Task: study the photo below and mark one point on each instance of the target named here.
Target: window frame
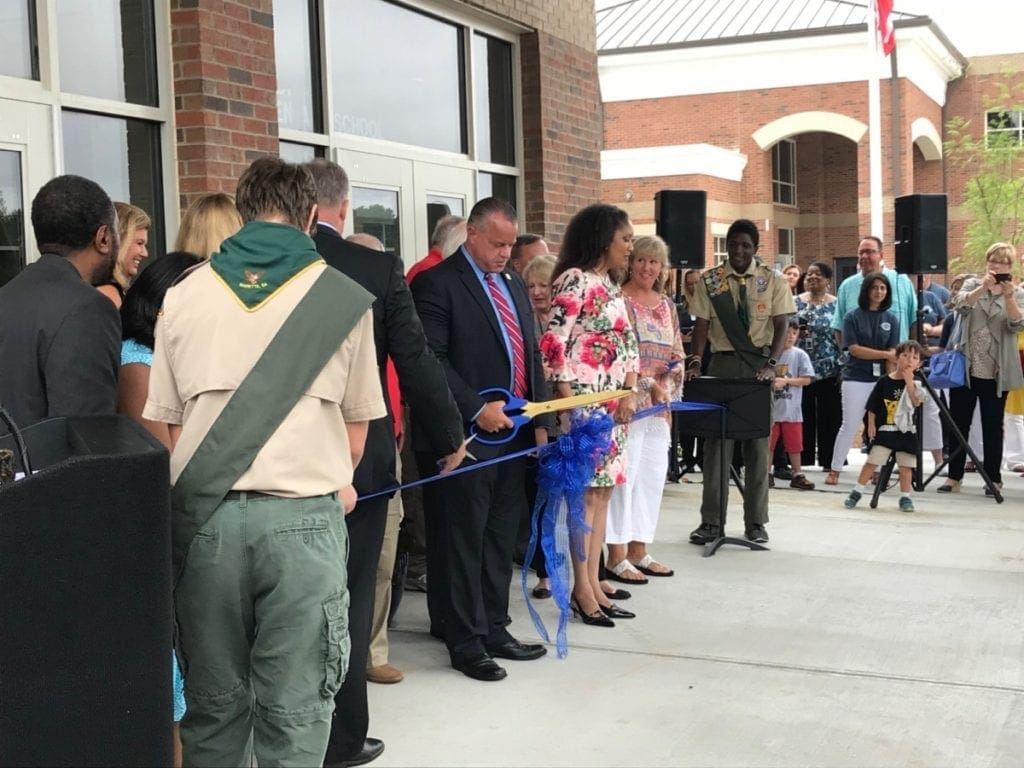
(1016, 133)
(469, 21)
(779, 183)
(46, 91)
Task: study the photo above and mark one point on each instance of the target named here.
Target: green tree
(993, 163)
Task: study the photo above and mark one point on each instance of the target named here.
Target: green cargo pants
(262, 615)
(755, 459)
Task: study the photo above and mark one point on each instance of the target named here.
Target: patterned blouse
(590, 344)
(657, 330)
(819, 340)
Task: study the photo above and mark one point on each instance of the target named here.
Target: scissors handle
(512, 405)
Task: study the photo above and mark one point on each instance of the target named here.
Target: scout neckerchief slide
(522, 412)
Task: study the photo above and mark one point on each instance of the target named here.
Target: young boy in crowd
(890, 410)
(792, 373)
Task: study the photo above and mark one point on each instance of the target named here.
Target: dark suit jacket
(60, 345)
(398, 334)
(462, 329)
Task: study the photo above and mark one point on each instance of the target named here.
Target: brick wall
(225, 90)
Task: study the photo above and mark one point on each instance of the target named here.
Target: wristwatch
(772, 362)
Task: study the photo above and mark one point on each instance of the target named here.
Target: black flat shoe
(481, 667)
(541, 593)
(614, 612)
(595, 619)
(372, 749)
(516, 651)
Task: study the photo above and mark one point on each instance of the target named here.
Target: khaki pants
(262, 614)
(378, 655)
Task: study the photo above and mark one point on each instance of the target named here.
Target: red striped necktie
(515, 336)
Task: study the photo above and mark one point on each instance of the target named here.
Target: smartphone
(1003, 277)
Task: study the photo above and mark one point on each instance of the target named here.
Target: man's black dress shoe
(516, 651)
(481, 667)
(372, 749)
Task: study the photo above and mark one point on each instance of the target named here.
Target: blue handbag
(948, 369)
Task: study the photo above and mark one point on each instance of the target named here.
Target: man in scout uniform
(264, 368)
(743, 309)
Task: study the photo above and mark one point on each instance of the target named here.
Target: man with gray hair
(399, 335)
(527, 248)
(449, 233)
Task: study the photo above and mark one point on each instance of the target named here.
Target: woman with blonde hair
(990, 312)
(133, 225)
(634, 507)
(209, 221)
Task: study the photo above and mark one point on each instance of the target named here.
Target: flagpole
(874, 124)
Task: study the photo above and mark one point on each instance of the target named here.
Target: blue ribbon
(565, 468)
(563, 475)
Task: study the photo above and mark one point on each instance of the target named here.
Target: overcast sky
(975, 27)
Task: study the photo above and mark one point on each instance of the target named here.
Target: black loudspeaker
(748, 405)
(921, 234)
(680, 215)
(85, 598)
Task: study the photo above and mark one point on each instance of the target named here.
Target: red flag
(883, 14)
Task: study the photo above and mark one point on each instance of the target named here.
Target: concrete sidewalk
(863, 638)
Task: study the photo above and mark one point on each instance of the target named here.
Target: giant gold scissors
(522, 412)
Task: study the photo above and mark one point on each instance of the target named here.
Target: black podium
(746, 414)
(85, 598)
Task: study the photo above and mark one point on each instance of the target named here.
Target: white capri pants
(855, 396)
(634, 507)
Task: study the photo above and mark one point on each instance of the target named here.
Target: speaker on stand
(680, 216)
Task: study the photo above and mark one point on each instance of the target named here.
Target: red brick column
(225, 90)
(562, 133)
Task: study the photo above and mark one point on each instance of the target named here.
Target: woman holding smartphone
(990, 309)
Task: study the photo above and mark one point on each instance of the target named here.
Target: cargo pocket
(337, 644)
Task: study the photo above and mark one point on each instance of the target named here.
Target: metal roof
(630, 24)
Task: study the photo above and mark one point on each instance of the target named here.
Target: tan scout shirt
(768, 295)
(206, 344)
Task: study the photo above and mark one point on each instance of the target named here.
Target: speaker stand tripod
(962, 442)
(727, 470)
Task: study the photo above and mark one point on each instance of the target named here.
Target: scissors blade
(576, 401)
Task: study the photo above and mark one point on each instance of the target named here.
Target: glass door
(26, 163)
(399, 200)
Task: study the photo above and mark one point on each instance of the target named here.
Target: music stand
(745, 415)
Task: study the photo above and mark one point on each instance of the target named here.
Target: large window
(123, 157)
(495, 124)
(18, 39)
(416, 97)
(410, 90)
(107, 49)
(296, 40)
(1005, 128)
(784, 172)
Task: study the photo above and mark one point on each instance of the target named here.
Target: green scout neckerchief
(288, 366)
(716, 281)
(261, 259)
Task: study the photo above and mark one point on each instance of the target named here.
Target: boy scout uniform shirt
(768, 294)
(206, 344)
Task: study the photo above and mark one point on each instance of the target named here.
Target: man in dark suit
(398, 334)
(478, 321)
(60, 338)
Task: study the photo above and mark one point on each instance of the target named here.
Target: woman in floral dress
(590, 347)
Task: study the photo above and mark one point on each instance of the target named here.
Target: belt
(257, 496)
(249, 495)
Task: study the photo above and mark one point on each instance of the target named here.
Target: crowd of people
(284, 367)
